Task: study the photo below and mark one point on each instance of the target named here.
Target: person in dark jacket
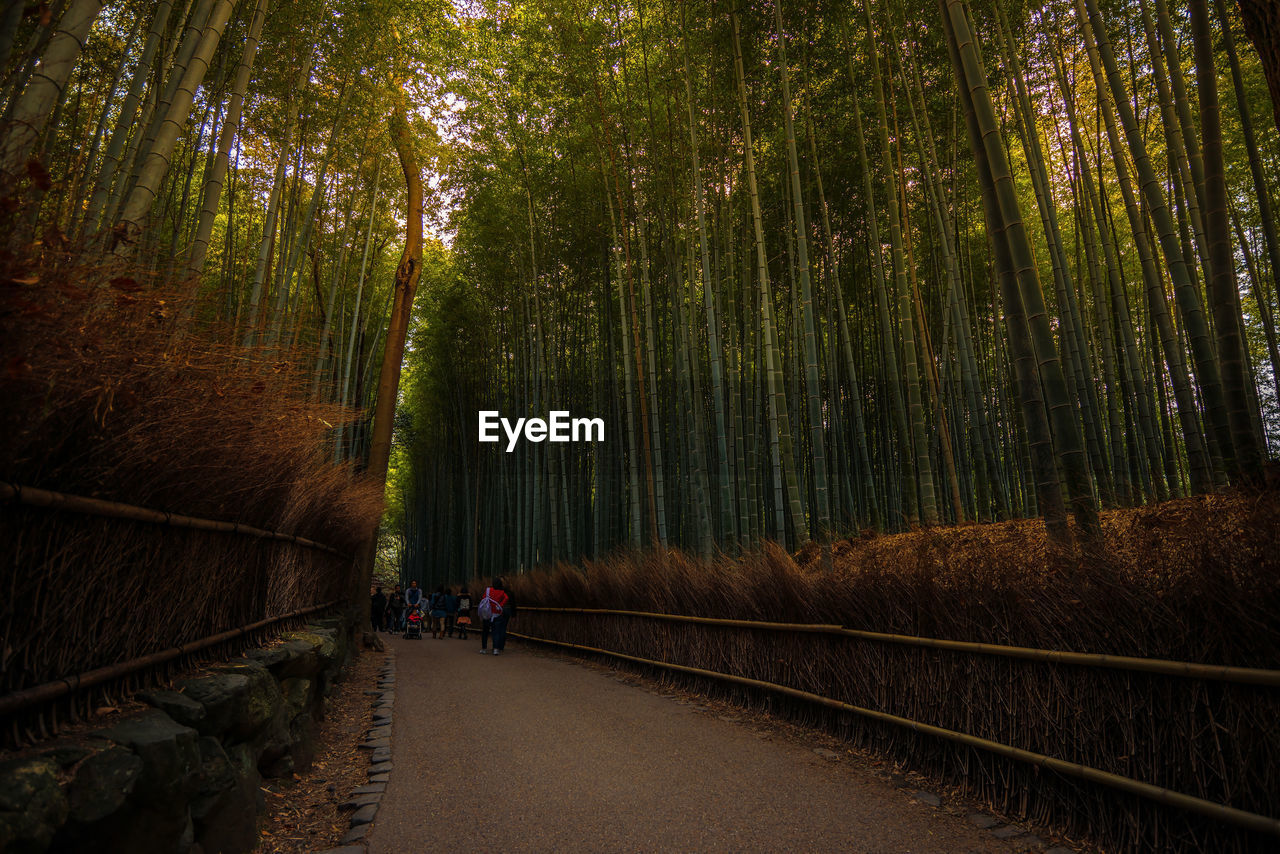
(395, 610)
(450, 610)
(377, 608)
(437, 613)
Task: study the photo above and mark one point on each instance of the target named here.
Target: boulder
(294, 657)
(273, 742)
(244, 760)
(297, 695)
(343, 635)
(319, 647)
(336, 623)
(240, 699)
(180, 707)
(32, 804)
(185, 776)
(102, 809)
(169, 753)
(302, 746)
(280, 768)
(222, 696)
(223, 812)
(67, 755)
(102, 784)
(328, 650)
(260, 703)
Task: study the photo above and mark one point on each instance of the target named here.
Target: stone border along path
(365, 799)
(752, 789)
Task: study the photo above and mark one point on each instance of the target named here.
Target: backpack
(489, 608)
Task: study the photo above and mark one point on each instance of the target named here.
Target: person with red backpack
(493, 611)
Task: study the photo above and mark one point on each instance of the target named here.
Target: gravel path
(527, 752)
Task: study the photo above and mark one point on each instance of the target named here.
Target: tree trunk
(408, 272)
(1262, 23)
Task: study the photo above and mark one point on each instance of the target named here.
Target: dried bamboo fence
(1001, 720)
(172, 590)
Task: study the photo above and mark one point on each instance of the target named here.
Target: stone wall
(184, 776)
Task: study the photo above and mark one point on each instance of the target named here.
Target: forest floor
(533, 751)
(303, 814)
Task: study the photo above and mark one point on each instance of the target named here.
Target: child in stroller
(413, 625)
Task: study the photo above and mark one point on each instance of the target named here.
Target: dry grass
(1197, 580)
(101, 398)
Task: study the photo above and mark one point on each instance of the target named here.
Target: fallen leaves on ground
(302, 815)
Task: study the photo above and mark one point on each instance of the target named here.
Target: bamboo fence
(109, 640)
(778, 643)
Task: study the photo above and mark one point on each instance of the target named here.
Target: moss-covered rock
(284, 660)
(221, 695)
(309, 649)
(67, 755)
(32, 804)
(272, 744)
(102, 784)
(297, 695)
(186, 775)
(239, 699)
(104, 807)
(260, 702)
(324, 643)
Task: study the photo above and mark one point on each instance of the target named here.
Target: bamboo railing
(1186, 669)
(49, 691)
(115, 510)
(1240, 818)
(45, 693)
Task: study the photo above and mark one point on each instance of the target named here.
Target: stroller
(413, 625)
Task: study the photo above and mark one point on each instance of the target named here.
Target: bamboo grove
(232, 155)
(859, 265)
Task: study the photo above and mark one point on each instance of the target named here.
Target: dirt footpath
(527, 752)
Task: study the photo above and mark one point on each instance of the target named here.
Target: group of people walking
(390, 613)
(448, 614)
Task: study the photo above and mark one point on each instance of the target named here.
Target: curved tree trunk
(408, 272)
(1262, 23)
